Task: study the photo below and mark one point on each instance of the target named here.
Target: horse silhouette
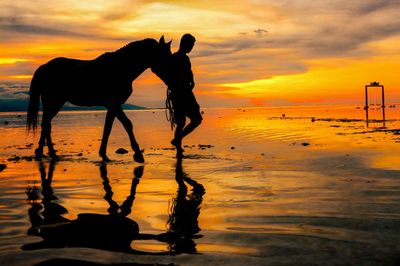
(105, 81)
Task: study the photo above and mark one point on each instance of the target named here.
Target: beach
(256, 186)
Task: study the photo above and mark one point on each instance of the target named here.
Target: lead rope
(169, 110)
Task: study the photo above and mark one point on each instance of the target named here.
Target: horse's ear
(169, 43)
(162, 40)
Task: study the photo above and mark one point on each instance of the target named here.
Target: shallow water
(314, 186)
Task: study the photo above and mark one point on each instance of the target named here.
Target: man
(181, 95)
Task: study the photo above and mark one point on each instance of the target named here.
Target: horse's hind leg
(52, 151)
(138, 156)
(42, 142)
(106, 133)
(45, 135)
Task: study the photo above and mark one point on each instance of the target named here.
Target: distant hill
(14, 105)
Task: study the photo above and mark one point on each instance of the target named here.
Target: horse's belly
(94, 96)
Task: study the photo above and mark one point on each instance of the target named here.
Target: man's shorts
(186, 106)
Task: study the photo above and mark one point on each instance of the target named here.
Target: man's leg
(180, 121)
(190, 127)
(195, 120)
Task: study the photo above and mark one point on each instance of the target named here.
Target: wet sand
(314, 186)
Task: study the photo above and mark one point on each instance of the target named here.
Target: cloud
(260, 32)
(338, 27)
(18, 68)
(14, 25)
(14, 91)
(19, 30)
(317, 29)
(333, 32)
(347, 37)
(242, 59)
(367, 6)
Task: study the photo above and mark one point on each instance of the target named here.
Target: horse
(104, 81)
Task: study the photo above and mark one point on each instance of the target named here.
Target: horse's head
(161, 62)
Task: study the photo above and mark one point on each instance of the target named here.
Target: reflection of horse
(49, 211)
(110, 232)
(105, 81)
(114, 231)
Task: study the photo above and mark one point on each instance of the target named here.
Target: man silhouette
(181, 95)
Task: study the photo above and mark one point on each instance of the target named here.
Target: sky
(247, 53)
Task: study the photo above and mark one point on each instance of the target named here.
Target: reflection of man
(181, 92)
(185, 211)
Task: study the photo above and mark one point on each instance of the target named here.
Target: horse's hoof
(105, 158)
(54, 156)
(138, 157)
(138, 171)
(38, 154)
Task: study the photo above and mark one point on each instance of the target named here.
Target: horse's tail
(34, 101)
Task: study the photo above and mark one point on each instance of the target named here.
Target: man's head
(187, 43)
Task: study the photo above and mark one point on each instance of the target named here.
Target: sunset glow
(248, 53)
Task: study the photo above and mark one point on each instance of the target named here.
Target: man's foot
(174, 142)
(179, 153)
(105, 158)
(138, 157)
(54, 156)
(178, 145)
(38, 154)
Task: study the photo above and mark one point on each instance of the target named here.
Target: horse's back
(81, 82)
(57, 68)
(54, 77)
(66, 61)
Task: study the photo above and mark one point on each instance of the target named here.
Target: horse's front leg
(138, 156)
(106, 134)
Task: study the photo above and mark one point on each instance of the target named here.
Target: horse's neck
(137, 71)
(125, 66)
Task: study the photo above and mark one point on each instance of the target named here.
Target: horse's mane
(137, 46)
(146, 43)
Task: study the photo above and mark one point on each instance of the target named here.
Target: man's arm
(190, 74)
(191, 83)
